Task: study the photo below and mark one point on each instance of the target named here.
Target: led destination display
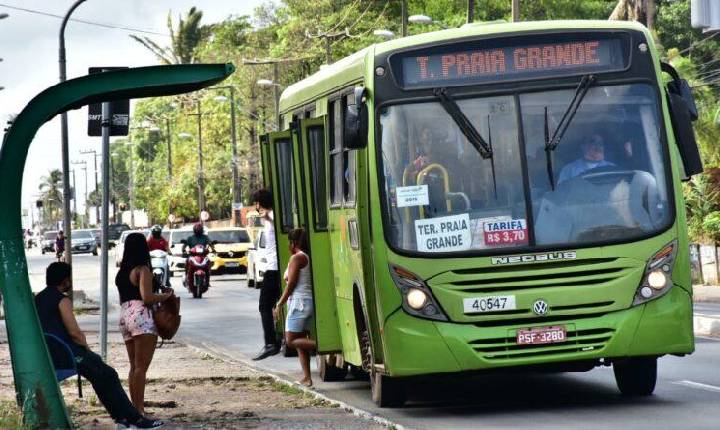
(461, 65)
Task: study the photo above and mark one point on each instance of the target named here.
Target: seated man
(593, 157)
(57, 318)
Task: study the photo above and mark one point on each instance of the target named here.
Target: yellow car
(231, 245)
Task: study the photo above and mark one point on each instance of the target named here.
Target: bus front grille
(578, 341)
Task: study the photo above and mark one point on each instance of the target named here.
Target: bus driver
(593, 157)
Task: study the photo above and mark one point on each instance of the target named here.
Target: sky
(29, 52)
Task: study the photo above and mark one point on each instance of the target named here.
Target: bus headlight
(417, 300)
(657, 279)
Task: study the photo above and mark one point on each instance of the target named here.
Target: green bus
(489, 197)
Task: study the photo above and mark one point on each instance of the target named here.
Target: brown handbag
(167, 317)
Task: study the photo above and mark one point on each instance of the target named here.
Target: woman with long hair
(299, 297)
(134, 282)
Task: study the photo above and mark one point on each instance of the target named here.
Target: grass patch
(10, 416)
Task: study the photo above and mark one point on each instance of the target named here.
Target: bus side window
(286, 184)
(348, 164)
(316, 142)
(336, 152)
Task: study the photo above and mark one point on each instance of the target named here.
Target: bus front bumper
(415, 347)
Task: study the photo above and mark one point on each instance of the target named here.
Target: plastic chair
(63, 374)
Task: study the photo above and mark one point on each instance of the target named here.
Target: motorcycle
(197, 271)
(159, 264)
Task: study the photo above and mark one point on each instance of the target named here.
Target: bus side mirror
(355, 127)
(681, 117)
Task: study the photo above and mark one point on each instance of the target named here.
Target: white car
(120, 247)
(175, 259)
(257, 262)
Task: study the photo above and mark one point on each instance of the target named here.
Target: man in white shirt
(270, 291)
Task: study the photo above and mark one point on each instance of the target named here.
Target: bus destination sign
(468, 66)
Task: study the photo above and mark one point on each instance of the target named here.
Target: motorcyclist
(198, 237)
(156, 241)
(60, 245)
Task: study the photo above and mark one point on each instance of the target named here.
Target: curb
(361, 413)
(706, 325)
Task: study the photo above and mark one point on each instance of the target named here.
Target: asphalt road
(225, 321)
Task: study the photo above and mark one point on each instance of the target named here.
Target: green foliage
(184, 40)
(51, 195)
(304, 35)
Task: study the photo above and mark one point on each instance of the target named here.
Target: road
(226, 322)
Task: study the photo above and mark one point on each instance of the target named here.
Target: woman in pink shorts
(134, 282)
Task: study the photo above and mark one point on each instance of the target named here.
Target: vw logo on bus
(540, 307)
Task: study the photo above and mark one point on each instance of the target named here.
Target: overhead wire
(84, 21)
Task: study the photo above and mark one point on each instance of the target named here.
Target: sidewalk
(190, 389)
(706, 318)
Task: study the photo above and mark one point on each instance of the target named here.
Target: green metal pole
(38, 393)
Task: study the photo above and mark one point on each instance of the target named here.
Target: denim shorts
(300, 313)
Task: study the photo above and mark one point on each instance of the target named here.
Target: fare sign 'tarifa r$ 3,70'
(470, 66)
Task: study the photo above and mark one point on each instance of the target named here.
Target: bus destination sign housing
(507, 59)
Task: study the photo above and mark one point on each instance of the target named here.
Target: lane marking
(698, 385)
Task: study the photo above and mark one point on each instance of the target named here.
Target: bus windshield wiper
(463, 122)
(552, 142)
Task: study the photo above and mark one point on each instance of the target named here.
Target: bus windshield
(605, 181)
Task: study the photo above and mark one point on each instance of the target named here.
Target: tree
(51, 196)
(183, 41)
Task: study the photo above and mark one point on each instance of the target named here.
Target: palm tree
(183, 42)
(51, 195)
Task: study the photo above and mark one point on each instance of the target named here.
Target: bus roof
(352, 68)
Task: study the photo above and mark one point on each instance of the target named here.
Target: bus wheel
(331, 367)
(358, 373)
(636, 376)
(387, 392)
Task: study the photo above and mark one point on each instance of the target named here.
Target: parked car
(231, 245)
(48, 241)
(257, 262)
(114, 232)
(98, 236)
(176, 259)
(83, 242)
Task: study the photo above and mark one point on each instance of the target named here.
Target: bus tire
(387, 392)
(358, 373)
(636, 376)
(331, 367)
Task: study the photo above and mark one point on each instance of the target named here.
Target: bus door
(265, 160)
(280, 177)
(312, 169)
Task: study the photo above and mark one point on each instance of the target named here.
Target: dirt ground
(191, 390)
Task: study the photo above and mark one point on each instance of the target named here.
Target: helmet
(156, 231)
(198, 229)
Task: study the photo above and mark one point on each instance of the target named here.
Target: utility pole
(95, 157)
(650, 14)
(131, 193)
(404, 15)
(64, 141)
(515, 10)
(169, 144)
(84, 168)
(470, 11)
(201, 174)
(74, 193)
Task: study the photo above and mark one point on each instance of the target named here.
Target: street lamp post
(201, 180)
(64, 139)
(84, 169)
(95, 157)
(276, 88)
(233, 134)
(425, 20)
